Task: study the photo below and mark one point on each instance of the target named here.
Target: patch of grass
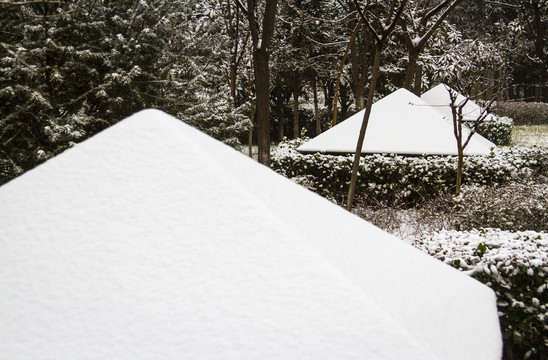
(530, 135)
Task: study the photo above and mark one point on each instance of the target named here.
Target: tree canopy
(70, 68)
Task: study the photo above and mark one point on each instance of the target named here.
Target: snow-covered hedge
(497, 129)
(395, 177)
(515, 266)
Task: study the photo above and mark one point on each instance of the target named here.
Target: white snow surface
(438, 97)
(152, 240)
(400, 123)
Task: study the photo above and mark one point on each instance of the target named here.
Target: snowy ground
(530, 135)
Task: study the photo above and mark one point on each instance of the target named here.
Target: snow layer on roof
(152, 240)
(438, 96)
(400, 123)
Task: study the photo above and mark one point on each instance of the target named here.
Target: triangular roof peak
(438, 96)
(152, 240)
(400, 123)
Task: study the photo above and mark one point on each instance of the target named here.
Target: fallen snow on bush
(514, 265)
(488, 250)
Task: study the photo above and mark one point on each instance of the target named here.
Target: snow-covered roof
(438, 97)
(152, 240)
(400, 123)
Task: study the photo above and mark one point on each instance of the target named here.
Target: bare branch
(367, 23)
(397, 16)
(438, 22)
(239, 4)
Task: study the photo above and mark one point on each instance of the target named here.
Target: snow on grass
(530, 135)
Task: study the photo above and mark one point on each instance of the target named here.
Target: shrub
(497, 129)
(517, 206)
(8, 170)
(524, 113)
(396, 178)
(514, 265)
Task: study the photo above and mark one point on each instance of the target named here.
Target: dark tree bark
(281, 116)
(363, 129)
(418, 81)
(316, 110)
(456, 109)
(359, 52)
(261, 55)
(296, 86)
(345, 102)
(380, 39)
(539, 39)
(341, 68)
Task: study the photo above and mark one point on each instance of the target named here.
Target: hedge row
(395, 177)
(524, 113)
(515, 266)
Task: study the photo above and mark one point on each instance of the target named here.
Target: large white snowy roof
(400, 123)
(152, 240)
(438, 97)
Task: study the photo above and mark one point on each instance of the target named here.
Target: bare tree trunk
(539, 41)
(316, 110)
(456, 110)
(418, 80)
(261, 54)
(490, 84)
(251, 117)
(250, 133)
(355, 67)
(380, 40)
(281, 117)
(344, 102)
(358, 58)
(460, 162)
(410, 72)
(263, 106)
(360, 94)
(341, 69)
(365, 121)
(296, 85)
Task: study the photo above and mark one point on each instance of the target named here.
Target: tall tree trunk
(417, 90)
(251, 117)
(281, 117)
(360, 91)
(263, 105)
(233, 82)
(457, 129)
(341, 69)
(539, 41)
(296, 85)
(344, 102)
(250, 133)
(261, 54)
(358, 59)
(413, 57)
(365, 121)
(316, 110)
